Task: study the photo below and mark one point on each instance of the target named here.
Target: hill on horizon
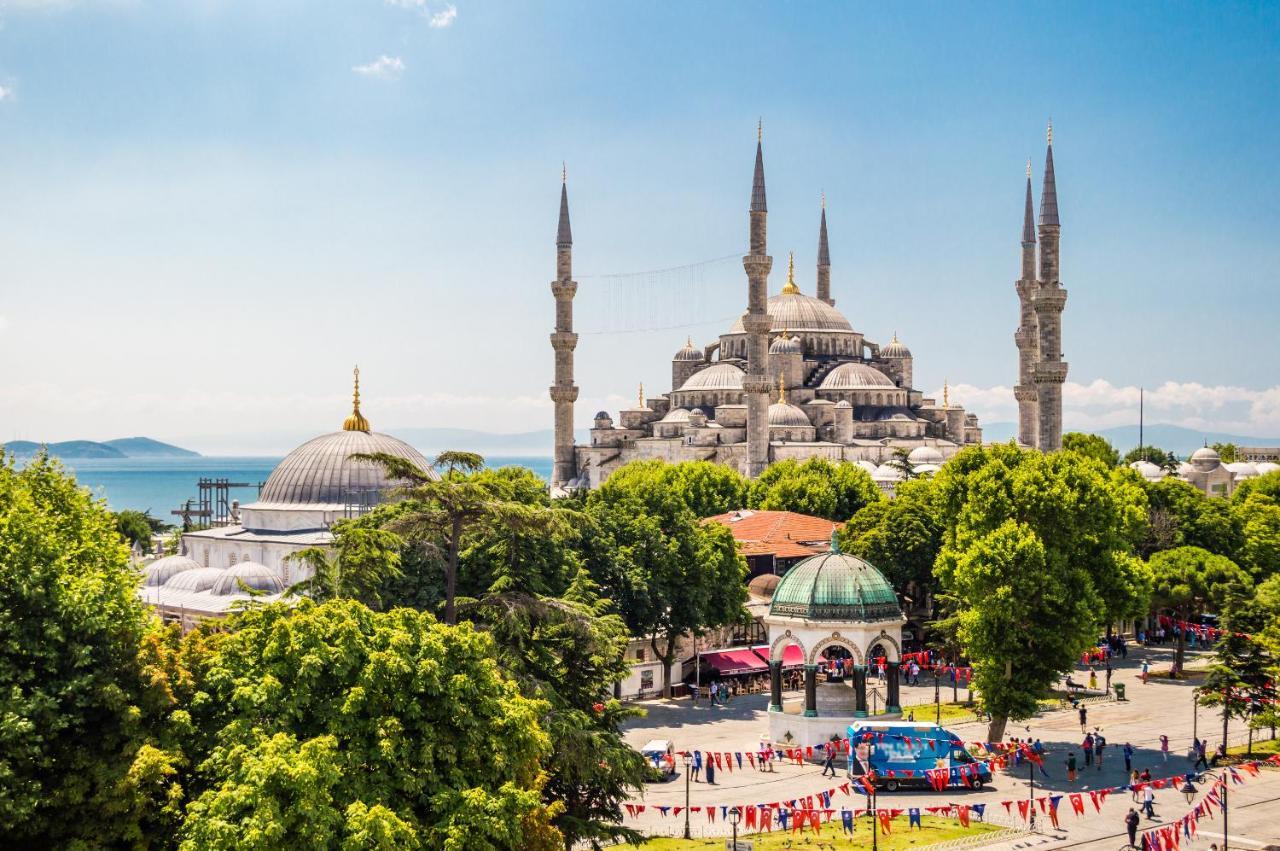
(1179, 440)
(80, 450)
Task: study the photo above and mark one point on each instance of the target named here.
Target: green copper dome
(835, 586)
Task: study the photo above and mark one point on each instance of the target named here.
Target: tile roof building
(772, 541)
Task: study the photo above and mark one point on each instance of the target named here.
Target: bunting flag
(980, 809)
(1097, 805)
(766, 819)
(913, 818)
(751, 818)
(885, 828)
(963, 813)
(846, 821)
(1077, 803)
(1023, 808)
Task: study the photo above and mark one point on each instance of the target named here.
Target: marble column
(860, 691)
(892, 701)
(811, 691)
(775, 686)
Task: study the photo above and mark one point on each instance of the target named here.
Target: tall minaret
(1051, 369)
(755, 322)
(1027, 337)
(564, 392)
(824, 258)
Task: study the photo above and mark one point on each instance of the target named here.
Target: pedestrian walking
(1135, 781)
(1201, 762)
(697, 765)
(711, 771)
(829, 762)
(1071, 768)
(1149, 803)
(1164, 747)
(1087, 747)
(1099, 742)
(1108, 676)
(1131, 825)
(1128, 758)
(1093, 679)
(1084, 717)
(1145, 668)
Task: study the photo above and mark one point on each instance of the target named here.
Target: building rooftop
(782, 534)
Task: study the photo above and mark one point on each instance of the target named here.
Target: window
(639, 654)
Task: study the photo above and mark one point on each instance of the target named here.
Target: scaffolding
(212, 506)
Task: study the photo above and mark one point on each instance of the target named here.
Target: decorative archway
(779, 643)
(888, 641)
(835, 639)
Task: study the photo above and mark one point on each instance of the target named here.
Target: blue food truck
(901, 752)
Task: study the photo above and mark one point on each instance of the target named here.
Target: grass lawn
(1263, 748)
(832, 837)
(950, 711)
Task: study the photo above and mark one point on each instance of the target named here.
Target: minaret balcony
(1051, 372)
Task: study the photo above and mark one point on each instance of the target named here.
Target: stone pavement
(1154, 708)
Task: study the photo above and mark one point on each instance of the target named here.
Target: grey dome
(321, 470)
(1205, 458)
(1266, 467)
(799, 312)
(257, 577)
(895, 349)
(856, 376)
(785, 345)
(676, 415)
(200, 579)
(924, 455)
(160, 571)
(688, 352)
(1150, 472)
(720, 376)
(783, 414)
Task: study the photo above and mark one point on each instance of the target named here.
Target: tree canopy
(1191, 581)
(835, 490)
(1092, 446)
(900, 536)
(1161, 458)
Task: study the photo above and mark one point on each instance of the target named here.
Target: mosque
(793, 379)
(316, 484)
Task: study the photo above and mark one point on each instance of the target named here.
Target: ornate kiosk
(844, 616)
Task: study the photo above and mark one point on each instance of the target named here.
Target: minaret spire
(756, 322)
(1027, 337)
(564, 233)
(563, 341)
(1050, 299)
(1049, 193)
(758, 202)
(824, 257)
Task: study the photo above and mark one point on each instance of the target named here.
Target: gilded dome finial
(1028, 168)
(790, 288)
(641, 395)
(782, 391)
(356, 422)
(946, 394)
(760, 129)
(1049, 132)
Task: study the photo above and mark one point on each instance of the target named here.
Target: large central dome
(798, 313)
(321, 471)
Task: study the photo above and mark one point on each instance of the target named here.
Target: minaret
(1027, 337)
(756, 322)
(824, 258)
(564, 392)
(1051, 369)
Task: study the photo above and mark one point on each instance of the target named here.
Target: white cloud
(6, 92)
(1101, 404)
(384, 68)
(445, 17)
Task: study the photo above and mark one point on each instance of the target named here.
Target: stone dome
(257, 577)
(888, 472)
(1150, 472)
(856, 376)
(688, 352)
(321, 470)
(895, 349)
(200, 579)
(676, 415)
(764, 585)
(1243, 470)
(718, 376)
(924, 455)
(835, 586)
(785, 345)
(1205, 458)
(788, 415)
(926, 469)
(866, 465)
(799, 312)
(160, 571)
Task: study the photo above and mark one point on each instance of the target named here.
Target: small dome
(924, 455)
(855, 376)
(785, 345)
(843, 403)
(888, 473)
(688, 352)
(1205, 458)
(160, 571)
(200, 579)
(321, 471)
(866, 465)
(1150, 472)
(676, 415)
(257, 577)
(1243, 470)
(719, 376)
(895, 349)
(788, 415)
(1184, 468)
(835, 586)
(924, 469)
(1266, 467)
(603, 415)
(764, 586)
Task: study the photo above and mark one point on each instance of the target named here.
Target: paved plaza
(1152, 709)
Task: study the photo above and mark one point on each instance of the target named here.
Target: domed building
(1206, 471)
(314, 486)
(844, 616)
(847, 398)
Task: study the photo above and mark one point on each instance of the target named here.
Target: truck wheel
(891, 785)
(977, 782)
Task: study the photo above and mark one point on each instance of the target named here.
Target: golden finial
(564, 172)
(356, 422)
(782, 391)
(1049, 132)
(688, 341)
(641, 396)
(824, 200)
(895, 336)
(946, 394)
(760, 130)
(790, 288)
(1028, 168)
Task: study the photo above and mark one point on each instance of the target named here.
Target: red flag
(1007, 804)
(963, 813)
(1023, 807)
(675, 811)
(884, 822)
(728, 758)
(1093, 796)
(1077, 803)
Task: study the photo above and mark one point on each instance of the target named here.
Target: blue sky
(210, 210)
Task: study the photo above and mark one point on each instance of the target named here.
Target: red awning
(792, 655)
(730, 662)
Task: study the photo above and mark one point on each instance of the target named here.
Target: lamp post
(735, 816)
(1195, 714)
(1031, 796)
(1225, 780)
(687, 759)
(871, 807)
(937, 697)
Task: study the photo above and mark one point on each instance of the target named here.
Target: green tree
(331, 721)
(1162, 459)
(1179, 515)
(1043, 542)
(900, 536)
(1242, 675)
(1267, 484)
(1091, 446)
(137, 527)
(1190, 581)
(822, 488)
(1258, 516)
(705, 488)
(71, 687)
(1226, 451)
(358, 565)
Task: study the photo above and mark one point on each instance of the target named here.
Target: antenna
(1141, 421)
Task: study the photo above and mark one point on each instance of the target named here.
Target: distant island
(80, 450)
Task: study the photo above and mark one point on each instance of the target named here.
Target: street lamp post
(735, 816)
(687, 759)
(1031, 802)
(1195, 714)
(937, 696)
(871, 808)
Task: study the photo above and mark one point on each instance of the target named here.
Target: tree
(669, 574)
(834, 490)
(1190, 581)
(71, 686)
(440, 510)
(1267, 484)
(1226, 452)
(1162, 459)
(1241, 677)
(1092, 446)
(1179, 514)
(900, 536)
(1258, 517)
(330, 722)
(705, 488)
(1036, 560)
(357, 566)
(137, 527)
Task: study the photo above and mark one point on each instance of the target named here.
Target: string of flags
(813, 811)
(726, 759)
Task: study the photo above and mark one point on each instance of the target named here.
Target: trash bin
(1119, 687)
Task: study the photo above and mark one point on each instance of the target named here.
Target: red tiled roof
(782, 534)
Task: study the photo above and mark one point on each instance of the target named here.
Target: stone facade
(791, 379)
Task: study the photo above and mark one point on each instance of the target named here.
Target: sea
(162, 485)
